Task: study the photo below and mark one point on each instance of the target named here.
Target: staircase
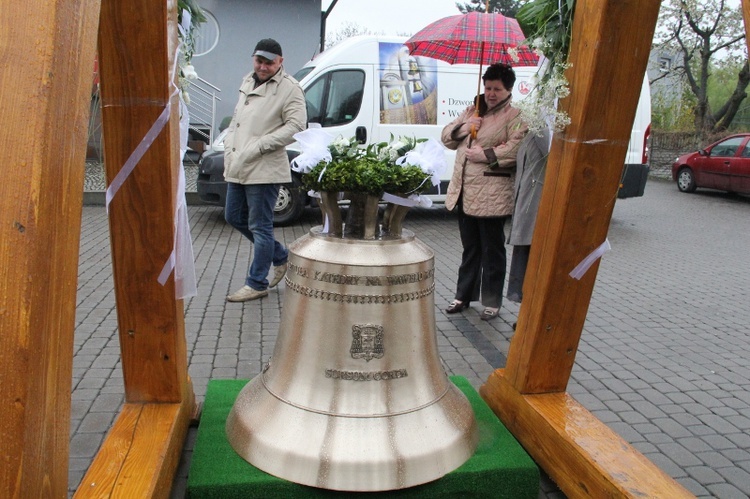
(202, 109)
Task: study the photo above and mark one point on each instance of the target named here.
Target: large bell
(355, 397)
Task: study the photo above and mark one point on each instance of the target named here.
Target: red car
(724, 165)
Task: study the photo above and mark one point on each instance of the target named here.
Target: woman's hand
(475, 154)
(474, 121)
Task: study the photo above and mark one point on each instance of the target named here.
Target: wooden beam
(46, 54)
(609, 52)
(611, 40)
(580, 453)
(140, 454)
(137, 42)
(137, 47)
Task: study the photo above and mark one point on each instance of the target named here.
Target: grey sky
(393, 17)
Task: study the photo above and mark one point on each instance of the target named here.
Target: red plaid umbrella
(473, 38)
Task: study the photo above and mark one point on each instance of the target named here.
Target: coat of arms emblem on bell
(367, 342)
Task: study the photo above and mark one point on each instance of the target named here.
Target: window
(665, 64)
(206, 35)
(335, 98)
(727, 148)
(299, 75)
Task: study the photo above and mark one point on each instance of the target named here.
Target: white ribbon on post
(587, 262)
(181, 259)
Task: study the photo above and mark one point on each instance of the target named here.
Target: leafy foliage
(372, 170)
(347, 30)
(187, 43)
(674, 115)
(197, 17)
(548, 25)
(721, 86)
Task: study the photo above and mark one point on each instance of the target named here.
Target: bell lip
(441, 451)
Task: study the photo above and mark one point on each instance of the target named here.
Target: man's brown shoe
(246, 293)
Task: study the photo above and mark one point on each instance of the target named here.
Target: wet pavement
(662, 358)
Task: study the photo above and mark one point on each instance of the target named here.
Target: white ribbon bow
(429, 156)
(314, 143)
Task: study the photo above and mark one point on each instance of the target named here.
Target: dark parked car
(212, 189)
(724, 165)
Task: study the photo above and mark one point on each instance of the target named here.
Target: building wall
(295, 24)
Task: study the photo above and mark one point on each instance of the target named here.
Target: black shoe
(456, 306)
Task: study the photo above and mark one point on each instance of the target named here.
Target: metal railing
(202, 109)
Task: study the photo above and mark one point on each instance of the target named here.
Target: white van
(370, 87)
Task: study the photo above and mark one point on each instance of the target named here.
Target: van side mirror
(361, 134)
(703, 152)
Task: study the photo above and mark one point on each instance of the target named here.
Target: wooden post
(137, 44)
(746, 17)
(609, 53)
(137, 41)
(610, 46)
(47, 57)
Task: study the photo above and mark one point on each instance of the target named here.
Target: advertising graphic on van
(408, 87)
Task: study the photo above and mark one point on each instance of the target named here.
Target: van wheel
(685, 180)
(289, 204)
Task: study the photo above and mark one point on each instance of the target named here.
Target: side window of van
(335, 98)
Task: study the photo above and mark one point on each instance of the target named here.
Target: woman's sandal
(489, 313)
(456, 306)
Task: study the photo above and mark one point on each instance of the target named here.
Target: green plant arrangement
(189, 18)
(372, 170)
(548, 25)
(397, 172)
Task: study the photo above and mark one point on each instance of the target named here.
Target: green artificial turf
(500, 468)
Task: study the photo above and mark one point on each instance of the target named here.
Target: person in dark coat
(531, 164)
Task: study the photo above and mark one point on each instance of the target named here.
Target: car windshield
(299, 75)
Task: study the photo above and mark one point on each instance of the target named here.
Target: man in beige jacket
(270, 110)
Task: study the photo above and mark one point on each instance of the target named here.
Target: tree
(508, 8)
(705, 33)
(347, 30)
(721, 86)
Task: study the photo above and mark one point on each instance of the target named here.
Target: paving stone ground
(663, 358)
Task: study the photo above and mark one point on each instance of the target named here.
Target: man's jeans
(249, 209)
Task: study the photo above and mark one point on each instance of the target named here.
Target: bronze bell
(355, 397)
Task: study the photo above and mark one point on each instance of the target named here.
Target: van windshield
(299, 75)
